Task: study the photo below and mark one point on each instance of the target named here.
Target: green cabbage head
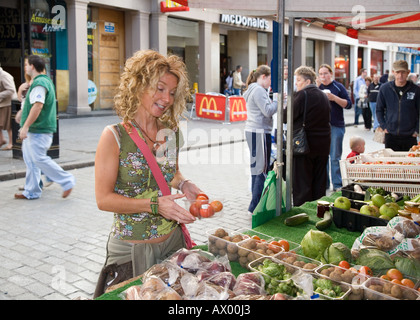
(314, 244)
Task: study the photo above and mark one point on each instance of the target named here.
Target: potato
(220, 233)
(221, 244)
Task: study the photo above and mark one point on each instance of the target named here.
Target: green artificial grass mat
(276, 227)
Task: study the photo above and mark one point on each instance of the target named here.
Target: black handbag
(300, 142)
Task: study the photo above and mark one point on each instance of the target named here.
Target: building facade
(86, 43)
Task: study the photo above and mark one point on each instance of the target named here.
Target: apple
(368, 210)
(342, 203)
(384, 217)
(388, 210)
(378, 200)
(395, 205)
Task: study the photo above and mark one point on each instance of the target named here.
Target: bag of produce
(407, 227)
(249, 283)
(152, 289)
(408, 248)
(314, 244)
(382, 238)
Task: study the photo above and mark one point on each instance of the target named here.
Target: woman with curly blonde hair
(147, 224)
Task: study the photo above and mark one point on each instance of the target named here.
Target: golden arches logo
(206, 105)
(238, 109)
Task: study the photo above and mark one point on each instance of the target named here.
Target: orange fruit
(396, 281)
(394, 274)
(217, 205)
(407, 283)
(385, 277)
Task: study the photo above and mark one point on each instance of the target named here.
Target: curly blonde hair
(142, 73)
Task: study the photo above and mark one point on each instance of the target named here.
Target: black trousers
(309, 178)
(367, 117)
(399, 143)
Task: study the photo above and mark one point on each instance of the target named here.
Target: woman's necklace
(156, 144)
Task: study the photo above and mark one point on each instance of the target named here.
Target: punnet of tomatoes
(203, 206)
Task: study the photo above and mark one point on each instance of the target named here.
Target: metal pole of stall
(280, 100)
(289, 140)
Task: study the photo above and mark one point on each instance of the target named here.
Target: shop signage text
(56, 23)
(237, 107)
(244, 21)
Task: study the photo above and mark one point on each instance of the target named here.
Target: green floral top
(135, 180)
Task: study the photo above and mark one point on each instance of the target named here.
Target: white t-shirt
(38, 95)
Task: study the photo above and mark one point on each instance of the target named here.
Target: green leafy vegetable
(378, 261)
(407, 266)
(337, 252)
(314, 244)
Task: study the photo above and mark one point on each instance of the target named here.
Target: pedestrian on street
(364, 104)
(373, 91)
(339, 100)
(7, 93)
(358, 83)
(258, 127)
(237, 84)
(397, 109)
(312, 106)
(38, 124)
(384, 77)
(148, 223)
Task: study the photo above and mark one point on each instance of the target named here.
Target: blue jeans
(375, 120)
(336, 149)
(34, 149)
(357, 112)
(236, 92)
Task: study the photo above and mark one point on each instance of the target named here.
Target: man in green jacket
(38, 123)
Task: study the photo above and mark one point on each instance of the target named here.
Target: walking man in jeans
(397, 109)
(38, 123)
(358, 83)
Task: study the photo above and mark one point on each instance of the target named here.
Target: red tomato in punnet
(217, 205)
(202, 195)
(206, 211)
(195, 209)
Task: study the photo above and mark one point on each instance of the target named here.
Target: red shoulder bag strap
(157, 173)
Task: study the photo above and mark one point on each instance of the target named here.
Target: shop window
(262, 48)
(183, 42)
(376, 62)
(342, 64)
(310, 53)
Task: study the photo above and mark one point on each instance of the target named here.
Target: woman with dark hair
(310, 170)
(258, 127)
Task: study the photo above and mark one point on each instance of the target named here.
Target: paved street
(54, 248)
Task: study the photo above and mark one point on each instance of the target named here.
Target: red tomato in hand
(206, 211)
(202, 196)
(217, 205)
(195, 209)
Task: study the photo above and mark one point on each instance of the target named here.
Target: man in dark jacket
(397, 109)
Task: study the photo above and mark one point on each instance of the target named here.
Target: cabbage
(407, 266)
(337, 252)
(378, 261)
(314, 244)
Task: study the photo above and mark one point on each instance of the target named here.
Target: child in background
(357, 146)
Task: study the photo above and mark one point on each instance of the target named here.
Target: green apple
(395, 205)
(384, 217)
(368, 210)
(378, 200)
(388, 210)
(342, 203)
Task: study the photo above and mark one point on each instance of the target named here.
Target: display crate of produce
(348, 192)
(329, 289)
(280, 277)
(409, 189)
(222, 241)
(299, 261)
(366, 168)
(385, 153)
(355, 221)
(381, 289)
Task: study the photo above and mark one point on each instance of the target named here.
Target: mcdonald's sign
(237, 106)
(210, 107)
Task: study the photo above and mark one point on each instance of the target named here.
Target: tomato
(385, 277)
(195, 209)
(366, 271)
(284, 244)
(274, 246)
(353, 269)
(396, 281)
(200, 201)
(344, 264)
(206, 211)
(407, 283)
(217, 205)
(202, 196)
(255, 237)
(394, 274)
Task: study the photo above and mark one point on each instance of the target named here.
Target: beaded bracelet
(181, 184)
(154, 204)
